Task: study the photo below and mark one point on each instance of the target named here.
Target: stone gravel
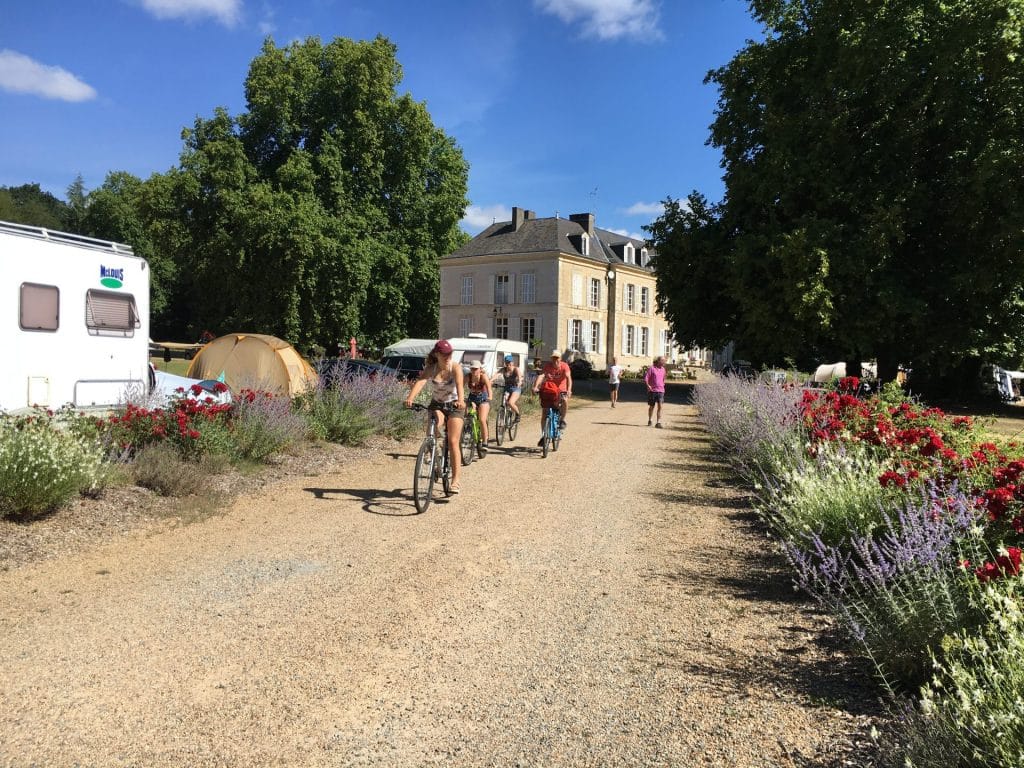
(615, 604)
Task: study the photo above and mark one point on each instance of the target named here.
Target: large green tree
(323, 210)
(874, 202)
(29, 204)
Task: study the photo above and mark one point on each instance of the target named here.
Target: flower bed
(907, 525)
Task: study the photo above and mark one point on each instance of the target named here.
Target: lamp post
(497, 314)
(611, 335)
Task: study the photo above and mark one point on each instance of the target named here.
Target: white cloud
(20, 74)
(480, 217)
(645, 209)
(266, 25)
(608, 19)
(227, 12)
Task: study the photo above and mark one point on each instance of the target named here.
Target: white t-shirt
(613, 374)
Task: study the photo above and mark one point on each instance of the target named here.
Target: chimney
(531, 215)
(585, 220)
(517, 218)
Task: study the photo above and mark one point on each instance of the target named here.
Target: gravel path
(611, 605)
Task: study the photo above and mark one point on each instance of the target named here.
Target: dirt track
(611, 605)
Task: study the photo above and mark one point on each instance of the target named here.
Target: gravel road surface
(612, 605)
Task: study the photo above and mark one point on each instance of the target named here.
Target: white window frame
(585, 244)
(645, 300)
(527, 288)
(576, 337)
(595, 293)
(595, 336)
(502, 283)
(629, 254)
(501, 327)
(629, 340)
(645, 341)
(466, 296)
(527, 323)
(108, 313)
(465, 326)
(630, 299)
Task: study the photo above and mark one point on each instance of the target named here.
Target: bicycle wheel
(467, 443)
(499, 425)
(545, 440)
(423, 477)
(446, 471)
(556, 438)
(513, 423)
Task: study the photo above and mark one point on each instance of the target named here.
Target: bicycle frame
(433, 461)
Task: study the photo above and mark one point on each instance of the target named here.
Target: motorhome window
(40, 307)
(111, 314)
(469, 357)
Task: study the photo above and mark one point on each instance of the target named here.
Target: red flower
(1005, 565)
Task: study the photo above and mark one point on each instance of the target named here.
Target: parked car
(166, 386)
(407, 367)
(336, 369)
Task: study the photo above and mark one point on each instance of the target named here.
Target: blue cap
(509, 358)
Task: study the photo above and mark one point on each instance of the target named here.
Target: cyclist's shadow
(396, 503)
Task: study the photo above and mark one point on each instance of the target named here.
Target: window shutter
(568, 340)
(493, 288)
(625, 338)
(512, 288)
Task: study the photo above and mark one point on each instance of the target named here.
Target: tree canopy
(319, 213)
(873, 205)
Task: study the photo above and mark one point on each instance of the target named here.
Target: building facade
(557, 284)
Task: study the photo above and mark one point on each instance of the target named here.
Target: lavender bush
(351, 408)
(900, 591)
(264, 424)
(752, 423)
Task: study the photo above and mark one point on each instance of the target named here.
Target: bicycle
(552, 434)
(505, 422)
(472, 441)
(432, 463)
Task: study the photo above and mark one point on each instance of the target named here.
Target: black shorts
(653, 398)
(613, 387)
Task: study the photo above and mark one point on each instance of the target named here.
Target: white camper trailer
(490, 352)
(75, 320)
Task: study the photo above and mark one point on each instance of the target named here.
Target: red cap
(443, 347)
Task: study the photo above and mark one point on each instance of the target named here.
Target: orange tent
(254, 361)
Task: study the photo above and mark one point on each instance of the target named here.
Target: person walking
(655, 381)
(614, 372)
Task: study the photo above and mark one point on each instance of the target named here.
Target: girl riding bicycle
(480, 394)
(445, 378)
(512, 379)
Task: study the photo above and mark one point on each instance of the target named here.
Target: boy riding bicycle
(555, 388)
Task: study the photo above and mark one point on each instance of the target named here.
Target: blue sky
(560, 106)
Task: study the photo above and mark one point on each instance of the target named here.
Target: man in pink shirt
(655, 381)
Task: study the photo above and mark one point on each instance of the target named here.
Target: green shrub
(835, 494)
(42, 465)
(971, 714)
(161, 468)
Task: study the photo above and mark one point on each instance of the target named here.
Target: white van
(74, 320)
(490, 352)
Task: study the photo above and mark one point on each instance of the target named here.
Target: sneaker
(648, 422)
(540, 443)
(517, 418)
(658, 425)
(483, 449)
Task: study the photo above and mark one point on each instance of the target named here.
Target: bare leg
(454, 435)
(482, 410)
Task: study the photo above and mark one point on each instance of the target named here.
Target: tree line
(319, 213)
(872, 156)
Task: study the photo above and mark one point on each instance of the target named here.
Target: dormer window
(643, 257)
(585, 244)
(629, 254)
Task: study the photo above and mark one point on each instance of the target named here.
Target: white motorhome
(75, 320)
(490, 352)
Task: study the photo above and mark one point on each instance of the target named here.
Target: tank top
(511, 377)
(477, 383)
(444, 388)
